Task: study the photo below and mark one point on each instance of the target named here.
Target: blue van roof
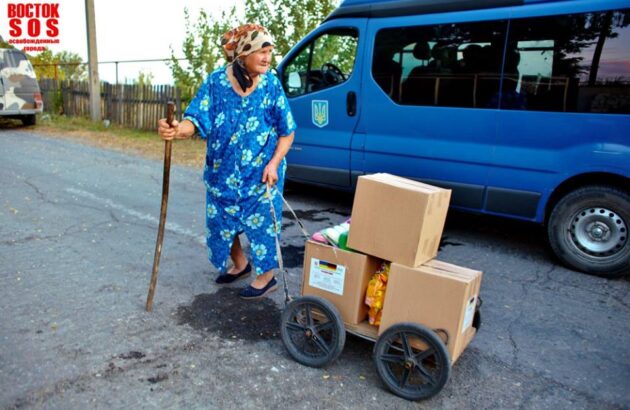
(346, 3)
(388, 8)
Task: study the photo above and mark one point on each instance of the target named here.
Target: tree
(71, 66)
(287, 21)
(4, 44)
(144, 78)
(64, 65)
(44, 64)
(201, 48)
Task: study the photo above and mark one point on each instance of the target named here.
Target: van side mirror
(294, 80)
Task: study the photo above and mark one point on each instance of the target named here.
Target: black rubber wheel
(312, 331)
(588, 230)
(412, 361)
(29, 120)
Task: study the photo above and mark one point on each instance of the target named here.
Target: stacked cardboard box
(398, 219)
(339, 276)
(401, 221)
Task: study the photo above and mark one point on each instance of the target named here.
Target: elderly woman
(242, 111)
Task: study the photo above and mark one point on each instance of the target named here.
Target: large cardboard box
(339, 276)
(398, 219)
(438, 295)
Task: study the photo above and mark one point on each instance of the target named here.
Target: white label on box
(470, 313)
(327, 276)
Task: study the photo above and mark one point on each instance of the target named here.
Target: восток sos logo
(33, 25)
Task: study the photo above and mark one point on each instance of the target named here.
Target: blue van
(518, 106)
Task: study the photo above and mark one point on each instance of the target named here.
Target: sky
(125, 30)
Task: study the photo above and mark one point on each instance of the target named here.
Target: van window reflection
(325, 62)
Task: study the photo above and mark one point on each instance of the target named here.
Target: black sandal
(226, 278)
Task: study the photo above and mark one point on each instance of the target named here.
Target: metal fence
(130, 105)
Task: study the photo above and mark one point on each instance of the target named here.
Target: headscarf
(242, 41)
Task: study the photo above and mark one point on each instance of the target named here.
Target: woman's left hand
(270, 174)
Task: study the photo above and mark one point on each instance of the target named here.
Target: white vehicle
(20, 96)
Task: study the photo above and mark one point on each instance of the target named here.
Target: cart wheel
(312, 331)
(412, 361)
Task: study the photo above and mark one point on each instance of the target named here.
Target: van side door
(565, 106)
(322, 82)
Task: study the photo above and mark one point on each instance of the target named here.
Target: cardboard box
(341, 277)
(398, 219)
(438, 295)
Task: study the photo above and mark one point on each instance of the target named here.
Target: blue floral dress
(242, 134)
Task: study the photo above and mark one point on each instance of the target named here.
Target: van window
(324, 62)
(452, 65)
(577, 63)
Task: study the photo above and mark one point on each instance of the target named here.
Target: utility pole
(95, 85)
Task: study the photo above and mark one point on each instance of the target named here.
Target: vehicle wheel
(29, 120)
(412, 361)
(588, 230)
(312, 331)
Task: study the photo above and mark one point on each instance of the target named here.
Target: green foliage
(4, 44)
(287, 21)
(64, 65)
(337, 49)
(43, 63)
(144, 78)
(201, 48)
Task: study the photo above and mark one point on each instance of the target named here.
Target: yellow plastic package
(375, 294)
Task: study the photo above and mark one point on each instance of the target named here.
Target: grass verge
(148, 144)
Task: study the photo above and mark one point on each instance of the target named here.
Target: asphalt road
(77, 234)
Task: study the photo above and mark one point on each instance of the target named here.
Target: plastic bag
(375, 294)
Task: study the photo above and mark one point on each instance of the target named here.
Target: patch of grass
(61, 122)
(189, 152)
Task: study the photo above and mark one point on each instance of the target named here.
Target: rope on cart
(287, 298)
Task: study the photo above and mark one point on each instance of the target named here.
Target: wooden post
(95, 86)
(168, 145)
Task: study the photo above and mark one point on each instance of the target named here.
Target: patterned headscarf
(244, 40)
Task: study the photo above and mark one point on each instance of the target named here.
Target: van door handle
(351, 103)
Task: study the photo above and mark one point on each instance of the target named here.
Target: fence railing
(130, 105)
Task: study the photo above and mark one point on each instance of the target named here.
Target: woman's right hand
(167, 132)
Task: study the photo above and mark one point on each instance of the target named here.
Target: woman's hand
(169, 133)
(270, 174)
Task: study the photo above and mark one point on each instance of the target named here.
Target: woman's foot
(260, 286)
(261, 281)
(251, 292)
(233, 275)
(238, 268)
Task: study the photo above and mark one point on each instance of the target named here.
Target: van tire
(588, 230)
(29, 120)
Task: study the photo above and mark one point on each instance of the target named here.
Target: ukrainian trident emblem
(320, 113)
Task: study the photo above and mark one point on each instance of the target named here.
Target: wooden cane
(168, 146)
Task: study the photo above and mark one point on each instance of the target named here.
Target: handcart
(412, 360)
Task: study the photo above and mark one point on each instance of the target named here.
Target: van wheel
(588, 230)
(29, 120)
